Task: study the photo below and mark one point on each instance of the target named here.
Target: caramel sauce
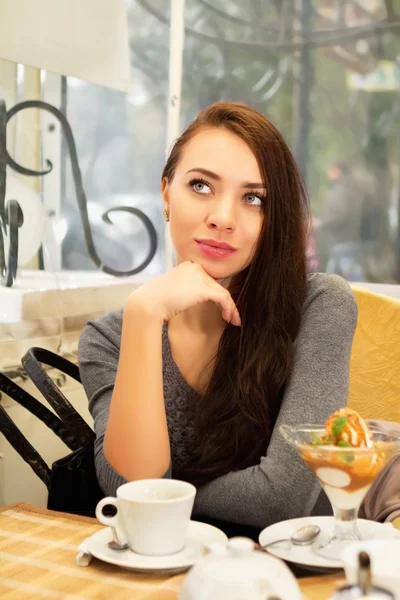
(361, 468)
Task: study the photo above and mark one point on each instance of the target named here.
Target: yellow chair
(375, 358)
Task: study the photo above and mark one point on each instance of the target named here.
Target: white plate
(304, 555)
(199, 536)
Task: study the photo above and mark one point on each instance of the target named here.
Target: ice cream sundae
(346, 455)
(346, 428)
(347, 472)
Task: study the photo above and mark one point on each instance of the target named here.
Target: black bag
(72, 481)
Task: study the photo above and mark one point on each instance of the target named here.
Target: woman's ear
(164, 193)
(164, 190)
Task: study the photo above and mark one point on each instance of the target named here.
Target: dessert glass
(345, 473)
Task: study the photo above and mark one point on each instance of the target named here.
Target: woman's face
(215, 202)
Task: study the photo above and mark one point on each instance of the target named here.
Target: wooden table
(37, 560)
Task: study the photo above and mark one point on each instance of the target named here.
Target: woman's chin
(216, 272)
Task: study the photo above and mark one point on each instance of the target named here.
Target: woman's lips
(214, 251)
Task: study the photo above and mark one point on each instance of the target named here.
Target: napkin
(83, 557)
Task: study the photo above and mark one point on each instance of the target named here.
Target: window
(326, 72)
(121, 145)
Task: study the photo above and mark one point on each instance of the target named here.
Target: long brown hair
(238, 410)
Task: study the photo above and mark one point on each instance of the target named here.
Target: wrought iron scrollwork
(11, 215)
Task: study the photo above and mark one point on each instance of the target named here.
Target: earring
(166, 214)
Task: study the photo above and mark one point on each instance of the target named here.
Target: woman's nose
(222, 215)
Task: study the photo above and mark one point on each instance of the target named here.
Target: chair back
(375, 357)
(71, 481)
(32, 362)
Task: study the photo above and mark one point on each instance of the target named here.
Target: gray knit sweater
(281, 485)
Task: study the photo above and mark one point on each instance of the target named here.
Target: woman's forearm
(136, 442)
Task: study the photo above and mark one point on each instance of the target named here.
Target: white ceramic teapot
(239, 572)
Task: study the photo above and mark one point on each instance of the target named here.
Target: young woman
(193, 377)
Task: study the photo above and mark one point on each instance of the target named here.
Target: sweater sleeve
(98, 355)
(281, 486)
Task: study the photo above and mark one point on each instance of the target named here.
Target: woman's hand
(185, 286)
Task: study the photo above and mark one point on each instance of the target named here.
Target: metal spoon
(302, 537)
(115, 544)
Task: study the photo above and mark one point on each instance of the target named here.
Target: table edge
(45, 511)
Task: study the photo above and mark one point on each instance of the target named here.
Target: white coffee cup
(152, 514)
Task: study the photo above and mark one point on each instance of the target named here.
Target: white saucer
(304, 555)
(199, 536)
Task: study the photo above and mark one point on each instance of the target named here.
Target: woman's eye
(253, 200)
(200, 187)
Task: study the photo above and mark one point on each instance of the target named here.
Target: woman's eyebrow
(246, 184)
(205, 172)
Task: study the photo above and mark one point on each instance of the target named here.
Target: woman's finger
(236, 320)
(222, 296)
(229, 311)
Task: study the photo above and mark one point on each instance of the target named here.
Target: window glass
(326, 72)
(121, 145)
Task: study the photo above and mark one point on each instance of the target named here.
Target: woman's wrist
(141, 308)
